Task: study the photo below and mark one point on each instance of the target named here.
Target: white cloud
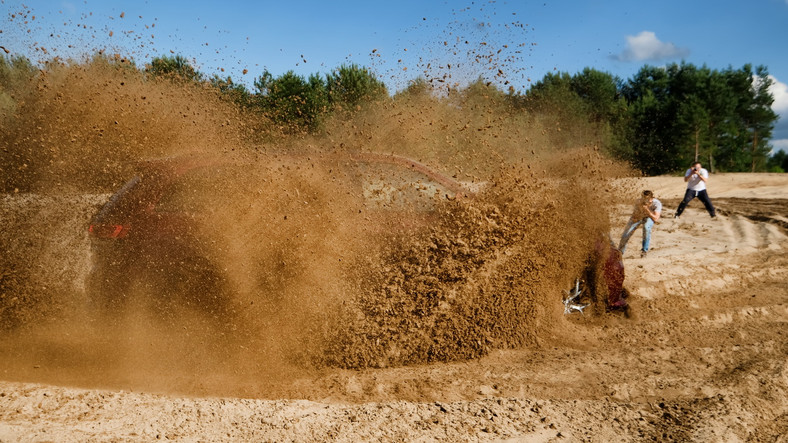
(779, 91)
(646, 46)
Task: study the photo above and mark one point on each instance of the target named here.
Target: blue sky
(454, 41)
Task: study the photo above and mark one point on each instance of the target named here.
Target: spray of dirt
(77, 125)
(487, 275)
(311, 275)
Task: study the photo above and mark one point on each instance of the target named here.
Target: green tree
(175, 68)
(297, 104)
(605, 108)
(755, 118)
(15, 75)
(554, 94)
(696, 102)
(588, 101)
(235, 92)
(778, 162)
(418, 87)
(681, 113)
(349, 86)
(653, 149)
(599, 92)
(14, 71)
(592, 94)
(478, 92)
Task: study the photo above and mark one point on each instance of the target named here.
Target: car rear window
(199, 189)
(381, 185)
(392, 186)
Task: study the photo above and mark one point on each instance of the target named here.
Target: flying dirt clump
(487, 275)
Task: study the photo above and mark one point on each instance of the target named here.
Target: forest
(659, 121)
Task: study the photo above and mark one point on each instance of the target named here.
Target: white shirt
(695, 183)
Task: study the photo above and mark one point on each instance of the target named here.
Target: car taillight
(108, 231)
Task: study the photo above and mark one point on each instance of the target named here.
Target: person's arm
(654, 215)
(688, 175)
(702, 176)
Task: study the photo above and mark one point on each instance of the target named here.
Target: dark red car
(153, 236)
(150, 236)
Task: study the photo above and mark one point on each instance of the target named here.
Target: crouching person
(646, 212)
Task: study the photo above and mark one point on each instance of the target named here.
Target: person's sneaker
(643, 254)
(676, 216)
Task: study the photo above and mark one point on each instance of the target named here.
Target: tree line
(294, 102)
(664, 118)
(660, 120)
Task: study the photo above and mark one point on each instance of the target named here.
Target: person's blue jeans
(630, 229)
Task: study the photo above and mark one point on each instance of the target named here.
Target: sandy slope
(705, 358)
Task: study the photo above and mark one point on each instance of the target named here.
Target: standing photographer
(696, 178)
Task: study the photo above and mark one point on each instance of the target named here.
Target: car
(154, 241)
(183, 230)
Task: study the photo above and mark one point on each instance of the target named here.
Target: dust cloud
(305, 273)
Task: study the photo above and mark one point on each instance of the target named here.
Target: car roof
(177, 165)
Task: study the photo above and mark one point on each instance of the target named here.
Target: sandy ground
(704, 358)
